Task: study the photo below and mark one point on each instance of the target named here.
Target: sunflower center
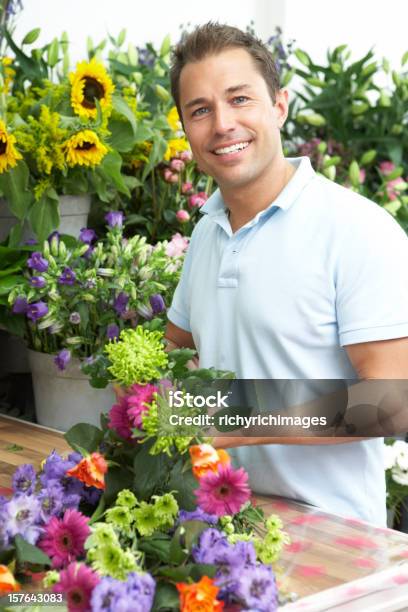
(85, 146)
(92, 89)
(3, 146)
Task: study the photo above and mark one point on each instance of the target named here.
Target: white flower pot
(74, 210)
(63, 399)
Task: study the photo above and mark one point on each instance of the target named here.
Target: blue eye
(240, 99)
(199, 112)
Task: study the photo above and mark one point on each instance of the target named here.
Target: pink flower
(392, 188)
(119, 419)
(362, 176)
(177, 245)
(139, 401)
(386, 167)
(197, 199)
(182, 216)
(64, 538)
(169, 177)
(177, 165)
(224, 491)
(186, 156)
(77, 582)
(186, 187)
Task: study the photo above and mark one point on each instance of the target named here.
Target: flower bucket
(74, 210)
(63, 399)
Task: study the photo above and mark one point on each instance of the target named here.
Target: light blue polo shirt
(320, 268)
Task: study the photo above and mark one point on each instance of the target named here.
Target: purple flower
(88, 252)
(24, 479)
(30, 242)
(141, 587)
(75, 318)
(62, 359)
(54, 235)
(120, 303)
(37, 262)
(256, 588)
(157, 303)
(112, 331)
(197, 515)
(67, 277)
(51, 500)
(114, 218)
(106, 594)
(37, 310)
(38, 281)
(206, 550)
(136, 594)
(23, 515)
(87, 235)
(20, 306)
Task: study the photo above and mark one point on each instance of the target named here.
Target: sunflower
(90, 82)
(8, 153)
(84, 149)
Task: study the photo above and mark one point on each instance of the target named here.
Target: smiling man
(288, 275)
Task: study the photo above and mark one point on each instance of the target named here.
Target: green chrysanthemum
(120, 517)
(126, 498)
(156, 424)
(50, 578)
(110, 560)
(146, 519)
(166, 509)
(137, 357)
(101, 535)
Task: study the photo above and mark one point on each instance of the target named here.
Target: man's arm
(177, 337)
(385, 359)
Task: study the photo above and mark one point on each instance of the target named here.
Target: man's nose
(224, 119)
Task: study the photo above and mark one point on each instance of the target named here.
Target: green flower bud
(88, 297)
(384, 100)
(162, 93)
(393, 207)
(62, 249)
(316, 82)
(330, 172)
(46, 248)
(165, 46)
(322, 147)
(359, 108)
(397, 129)
(46, 322)
(354, 173)
(108, 272)
(138, 78)
(303, 57)
(315, 119)
(368, 157)
(369, 69)
(287, 77)
(74, 340)
(133, 54)
(54, 246)
(336, 68)
(396, 78)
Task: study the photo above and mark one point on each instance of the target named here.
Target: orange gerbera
(205, 457)
(91, 470)
(200, 596)
(8, 583)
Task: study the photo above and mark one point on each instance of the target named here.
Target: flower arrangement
(396, 474)
(134, 520)
(75, 299)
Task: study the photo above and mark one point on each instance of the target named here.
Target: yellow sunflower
(90, 82)
(84, 149)
(8, 153)
(173, 120)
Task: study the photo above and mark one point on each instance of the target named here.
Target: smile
(239, 146)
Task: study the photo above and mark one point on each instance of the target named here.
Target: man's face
(229, 118)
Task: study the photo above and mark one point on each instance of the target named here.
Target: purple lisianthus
(37, 262)
(87, 236)
(67, 277)
(20, 305)
(107, 594)
(141, 587)
(62, 359)
(24, 479)
(197, 515)
(22, 514)
(257, 589)
(112, 331)
(157, 303)
(37, 310)
(211, 540)
(51, 500)
(120, 303)
(38, 281)
(114, 218)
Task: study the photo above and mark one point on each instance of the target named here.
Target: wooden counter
(330, 560)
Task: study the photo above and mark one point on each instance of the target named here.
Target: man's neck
(245, 203)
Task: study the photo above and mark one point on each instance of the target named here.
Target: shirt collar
(304, 173)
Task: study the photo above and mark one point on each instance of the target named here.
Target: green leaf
(15, 324)
(117, 479)
(8, 283)
(44, 215)
(27, 553)
(303, 57)
(31, 36)
(135, 220)
(124, 109)
(184, 485)
(16, 234)
(31, 67)
(190, 570)
(143, 132)
(14, 448)
(14, 185)
(150, 472)
(122, 135)
(404, 58)
(85, 435)
(110, 169)
(166, 598)
(157, 547)
(177, 553)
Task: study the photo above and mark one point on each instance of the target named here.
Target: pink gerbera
(119, 419)
(64, 538)
(224, 491)
(77, 582)
(138, 401)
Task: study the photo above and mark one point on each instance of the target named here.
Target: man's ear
(281, 106)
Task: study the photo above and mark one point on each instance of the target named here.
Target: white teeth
(232, 148)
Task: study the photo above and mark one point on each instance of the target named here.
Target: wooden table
(329, 561)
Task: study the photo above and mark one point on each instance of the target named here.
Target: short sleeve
(179, 311)
(372, 279)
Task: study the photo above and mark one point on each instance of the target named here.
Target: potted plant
(77, 298)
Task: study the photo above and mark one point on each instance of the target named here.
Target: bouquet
(135, 520)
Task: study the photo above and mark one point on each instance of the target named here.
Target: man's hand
(177, 338)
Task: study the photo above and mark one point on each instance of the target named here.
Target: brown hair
(213, 38)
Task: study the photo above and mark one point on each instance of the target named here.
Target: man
(288, 275)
